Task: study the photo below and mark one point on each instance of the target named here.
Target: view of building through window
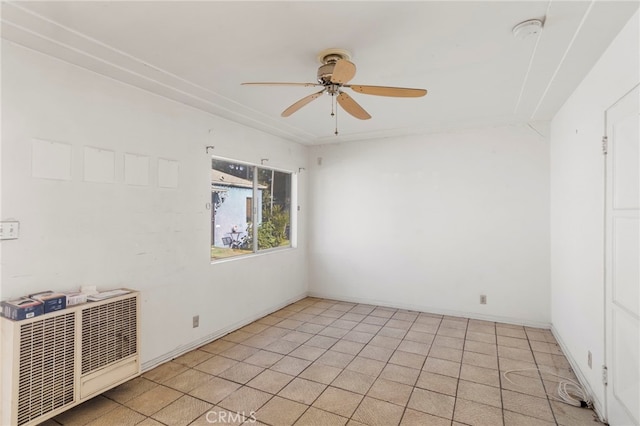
(251, 208)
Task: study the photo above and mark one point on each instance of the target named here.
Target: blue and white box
(22, 308)
(51, 301)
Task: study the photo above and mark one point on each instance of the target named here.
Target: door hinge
(605, 375)
(605, 145)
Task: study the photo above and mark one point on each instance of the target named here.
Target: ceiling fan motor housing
(325, 72)
(328, 59)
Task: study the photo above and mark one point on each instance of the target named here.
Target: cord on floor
(569, 391)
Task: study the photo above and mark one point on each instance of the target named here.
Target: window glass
(231, 192)
(248, 215)
(275, 192)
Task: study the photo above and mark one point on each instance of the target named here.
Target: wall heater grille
(58, 360)
(46, 366)
(109, 334)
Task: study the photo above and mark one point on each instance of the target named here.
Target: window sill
(248, 256)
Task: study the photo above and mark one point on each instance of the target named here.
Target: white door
(622, 281)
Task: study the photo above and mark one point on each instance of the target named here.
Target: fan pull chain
(332, 102)
(336, 132)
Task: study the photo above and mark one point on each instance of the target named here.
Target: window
(240, 225)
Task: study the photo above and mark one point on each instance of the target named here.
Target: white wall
(432, 222)
(153, 239)
(577, 203)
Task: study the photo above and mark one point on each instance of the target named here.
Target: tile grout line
(535, 361)
(369, 388)
(327, 349)
(417, 378)
(455, 401)
(495, 327)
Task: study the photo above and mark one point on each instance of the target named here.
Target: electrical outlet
(589, 358)
(196, 321)
(483, 299)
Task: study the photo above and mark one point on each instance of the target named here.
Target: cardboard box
(51, 301)
(75, 298)
(22, 308)
(107, 294)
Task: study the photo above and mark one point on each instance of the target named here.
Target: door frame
(605, 253)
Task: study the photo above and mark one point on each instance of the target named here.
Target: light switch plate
(9, 230)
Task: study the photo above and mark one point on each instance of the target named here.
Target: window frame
(255, 214)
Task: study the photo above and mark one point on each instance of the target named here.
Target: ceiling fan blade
(352, 107)
(343, 71)
(399, 92)
(302, 102)
(280, 84)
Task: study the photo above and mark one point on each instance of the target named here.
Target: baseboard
(432, 310)
(181, 350)
(597, 404)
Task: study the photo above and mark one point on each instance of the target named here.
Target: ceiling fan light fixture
(527, 28)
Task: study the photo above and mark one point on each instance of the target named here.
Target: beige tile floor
(324, 362)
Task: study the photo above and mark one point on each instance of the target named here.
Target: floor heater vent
(55, 361)
(109, 334)
(46, 366)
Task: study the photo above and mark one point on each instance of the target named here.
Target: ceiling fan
(333, 75)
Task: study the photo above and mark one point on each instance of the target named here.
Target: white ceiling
(477, 73)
